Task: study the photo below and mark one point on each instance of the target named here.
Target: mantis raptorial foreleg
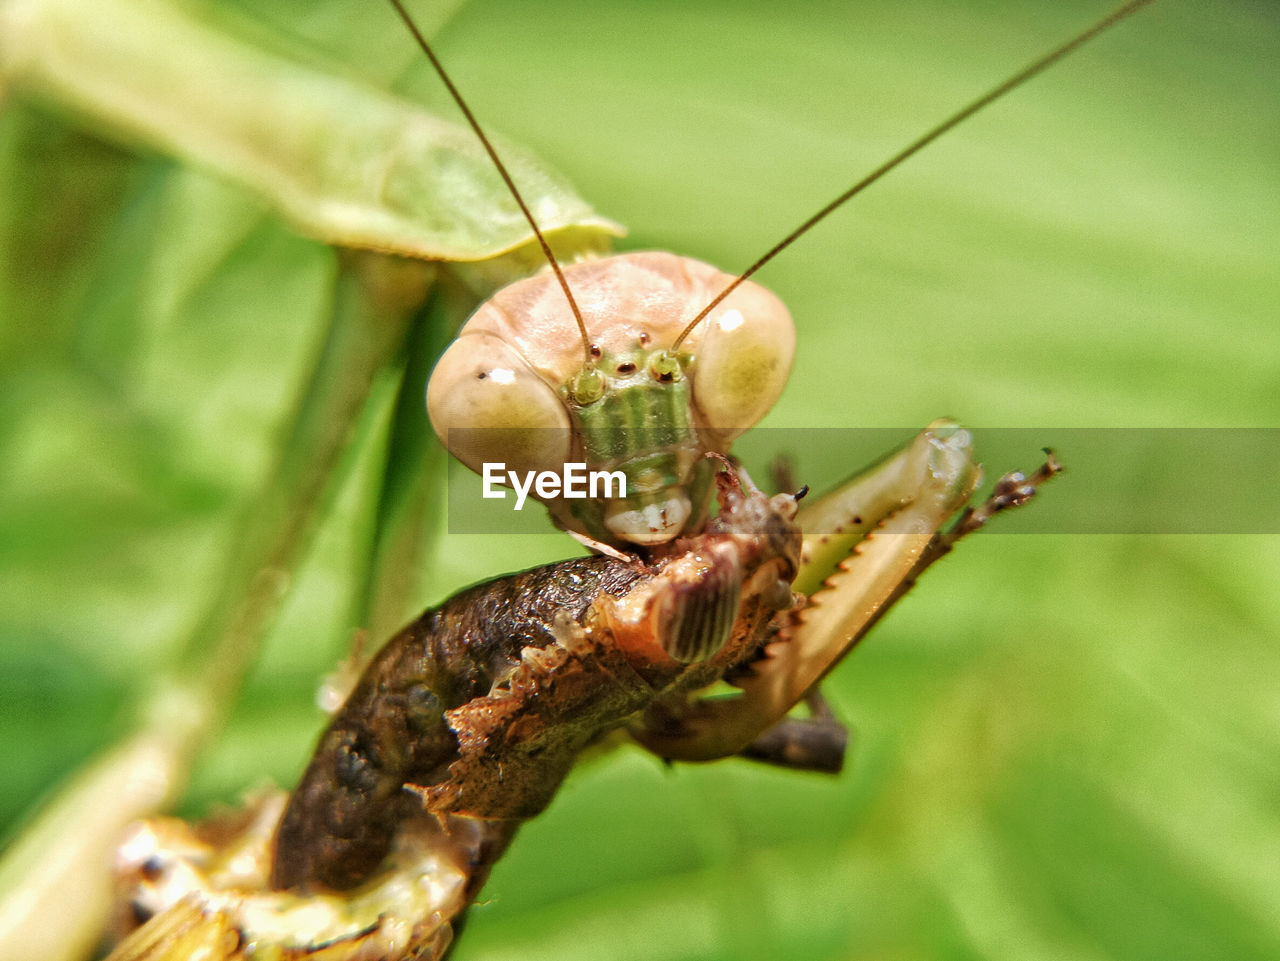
(865, 544)
(860, 542)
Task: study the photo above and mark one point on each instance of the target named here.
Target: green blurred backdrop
(1066, 746)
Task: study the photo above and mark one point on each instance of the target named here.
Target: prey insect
(602, 532)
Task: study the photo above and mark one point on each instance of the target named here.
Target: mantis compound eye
(742, 364)
(488, 406)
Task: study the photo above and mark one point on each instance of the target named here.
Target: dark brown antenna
(995, 93)
(502, 170)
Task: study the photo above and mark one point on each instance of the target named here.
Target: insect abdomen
(392, 730)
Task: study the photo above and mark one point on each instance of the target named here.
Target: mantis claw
(865, 546)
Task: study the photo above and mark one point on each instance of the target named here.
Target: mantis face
(514, 387)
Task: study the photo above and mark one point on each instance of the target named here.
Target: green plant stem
(407, 517)
(67, 849)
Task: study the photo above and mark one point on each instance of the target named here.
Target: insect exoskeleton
(517, 386)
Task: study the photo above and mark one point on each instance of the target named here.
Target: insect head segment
(512, 398)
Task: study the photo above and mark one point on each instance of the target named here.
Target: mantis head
(650, 399)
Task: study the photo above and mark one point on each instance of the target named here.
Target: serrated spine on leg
(906, 498)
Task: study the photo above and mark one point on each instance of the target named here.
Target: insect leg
(863, 543)
(814, 743)
(852, 574)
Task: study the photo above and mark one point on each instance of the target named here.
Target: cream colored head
(517, 365)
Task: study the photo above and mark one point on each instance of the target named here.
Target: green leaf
(344, 161)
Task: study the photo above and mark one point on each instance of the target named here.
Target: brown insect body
(481, 706)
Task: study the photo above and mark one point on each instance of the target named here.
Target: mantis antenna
(502, 171)
(992, 95)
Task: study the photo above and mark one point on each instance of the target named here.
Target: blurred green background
(1066, 746)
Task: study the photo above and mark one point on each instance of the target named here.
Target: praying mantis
(934, 361)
